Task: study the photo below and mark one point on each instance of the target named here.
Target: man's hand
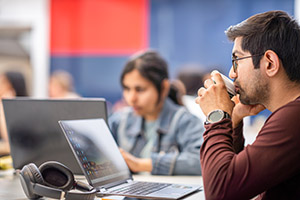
(241, 110)
(214, 96)
(137, 164)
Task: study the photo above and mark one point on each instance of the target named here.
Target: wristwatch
(216, 116)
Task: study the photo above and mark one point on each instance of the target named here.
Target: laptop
(104, 167)
(35, 135)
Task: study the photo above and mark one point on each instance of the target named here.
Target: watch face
(216, 116)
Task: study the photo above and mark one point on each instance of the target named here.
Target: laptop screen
(35, 135)
(96, 151)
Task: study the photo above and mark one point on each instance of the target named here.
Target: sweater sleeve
(231, 173)
(238, 138)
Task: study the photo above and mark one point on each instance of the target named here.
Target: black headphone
(53, 179)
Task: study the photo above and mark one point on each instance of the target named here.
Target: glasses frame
(235, 64)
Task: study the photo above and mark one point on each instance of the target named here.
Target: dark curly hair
(272, 30)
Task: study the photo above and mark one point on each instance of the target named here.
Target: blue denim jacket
(177, 152)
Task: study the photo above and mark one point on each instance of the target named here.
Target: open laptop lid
(34, 133)
(98, 154)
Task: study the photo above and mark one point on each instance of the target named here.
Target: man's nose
(232, 74)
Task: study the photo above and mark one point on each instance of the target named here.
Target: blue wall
(192, 31)
(184, 31)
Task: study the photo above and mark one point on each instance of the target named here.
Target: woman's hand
(137, 164)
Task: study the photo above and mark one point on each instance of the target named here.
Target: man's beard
(259, 94)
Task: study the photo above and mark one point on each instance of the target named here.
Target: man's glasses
(235, 64)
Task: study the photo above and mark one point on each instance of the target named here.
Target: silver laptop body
(104, 167)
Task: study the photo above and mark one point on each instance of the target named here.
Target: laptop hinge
(129, 180)
(103, 190)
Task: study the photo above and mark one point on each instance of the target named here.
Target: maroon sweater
(270, 167)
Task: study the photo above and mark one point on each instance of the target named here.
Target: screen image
(96, 151)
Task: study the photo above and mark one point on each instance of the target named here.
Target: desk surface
(11, 189)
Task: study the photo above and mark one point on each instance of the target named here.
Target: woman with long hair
(155, 134)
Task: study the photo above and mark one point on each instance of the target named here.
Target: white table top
(11, 188)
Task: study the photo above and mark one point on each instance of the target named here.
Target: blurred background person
(12, 84)
(155, 134)
(192, 77)
(61, 85)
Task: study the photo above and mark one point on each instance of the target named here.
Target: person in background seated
(192, 78)
(155, 135)
(61, 85)
(266, 73)
(12, 84)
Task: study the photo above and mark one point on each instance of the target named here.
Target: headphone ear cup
(57, 175)
(28, 175)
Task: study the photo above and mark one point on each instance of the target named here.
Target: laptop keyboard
(140, 188)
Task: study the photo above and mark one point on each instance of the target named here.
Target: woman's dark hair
(273, 30)
(177, 90)
(151, 66)
(17, 81)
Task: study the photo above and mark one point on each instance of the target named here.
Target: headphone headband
(34, 185)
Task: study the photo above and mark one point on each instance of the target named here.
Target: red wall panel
(102, 27)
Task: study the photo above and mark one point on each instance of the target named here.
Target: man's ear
(165, 87)
(271, 63)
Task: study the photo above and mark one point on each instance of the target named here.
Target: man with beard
(266, 73)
